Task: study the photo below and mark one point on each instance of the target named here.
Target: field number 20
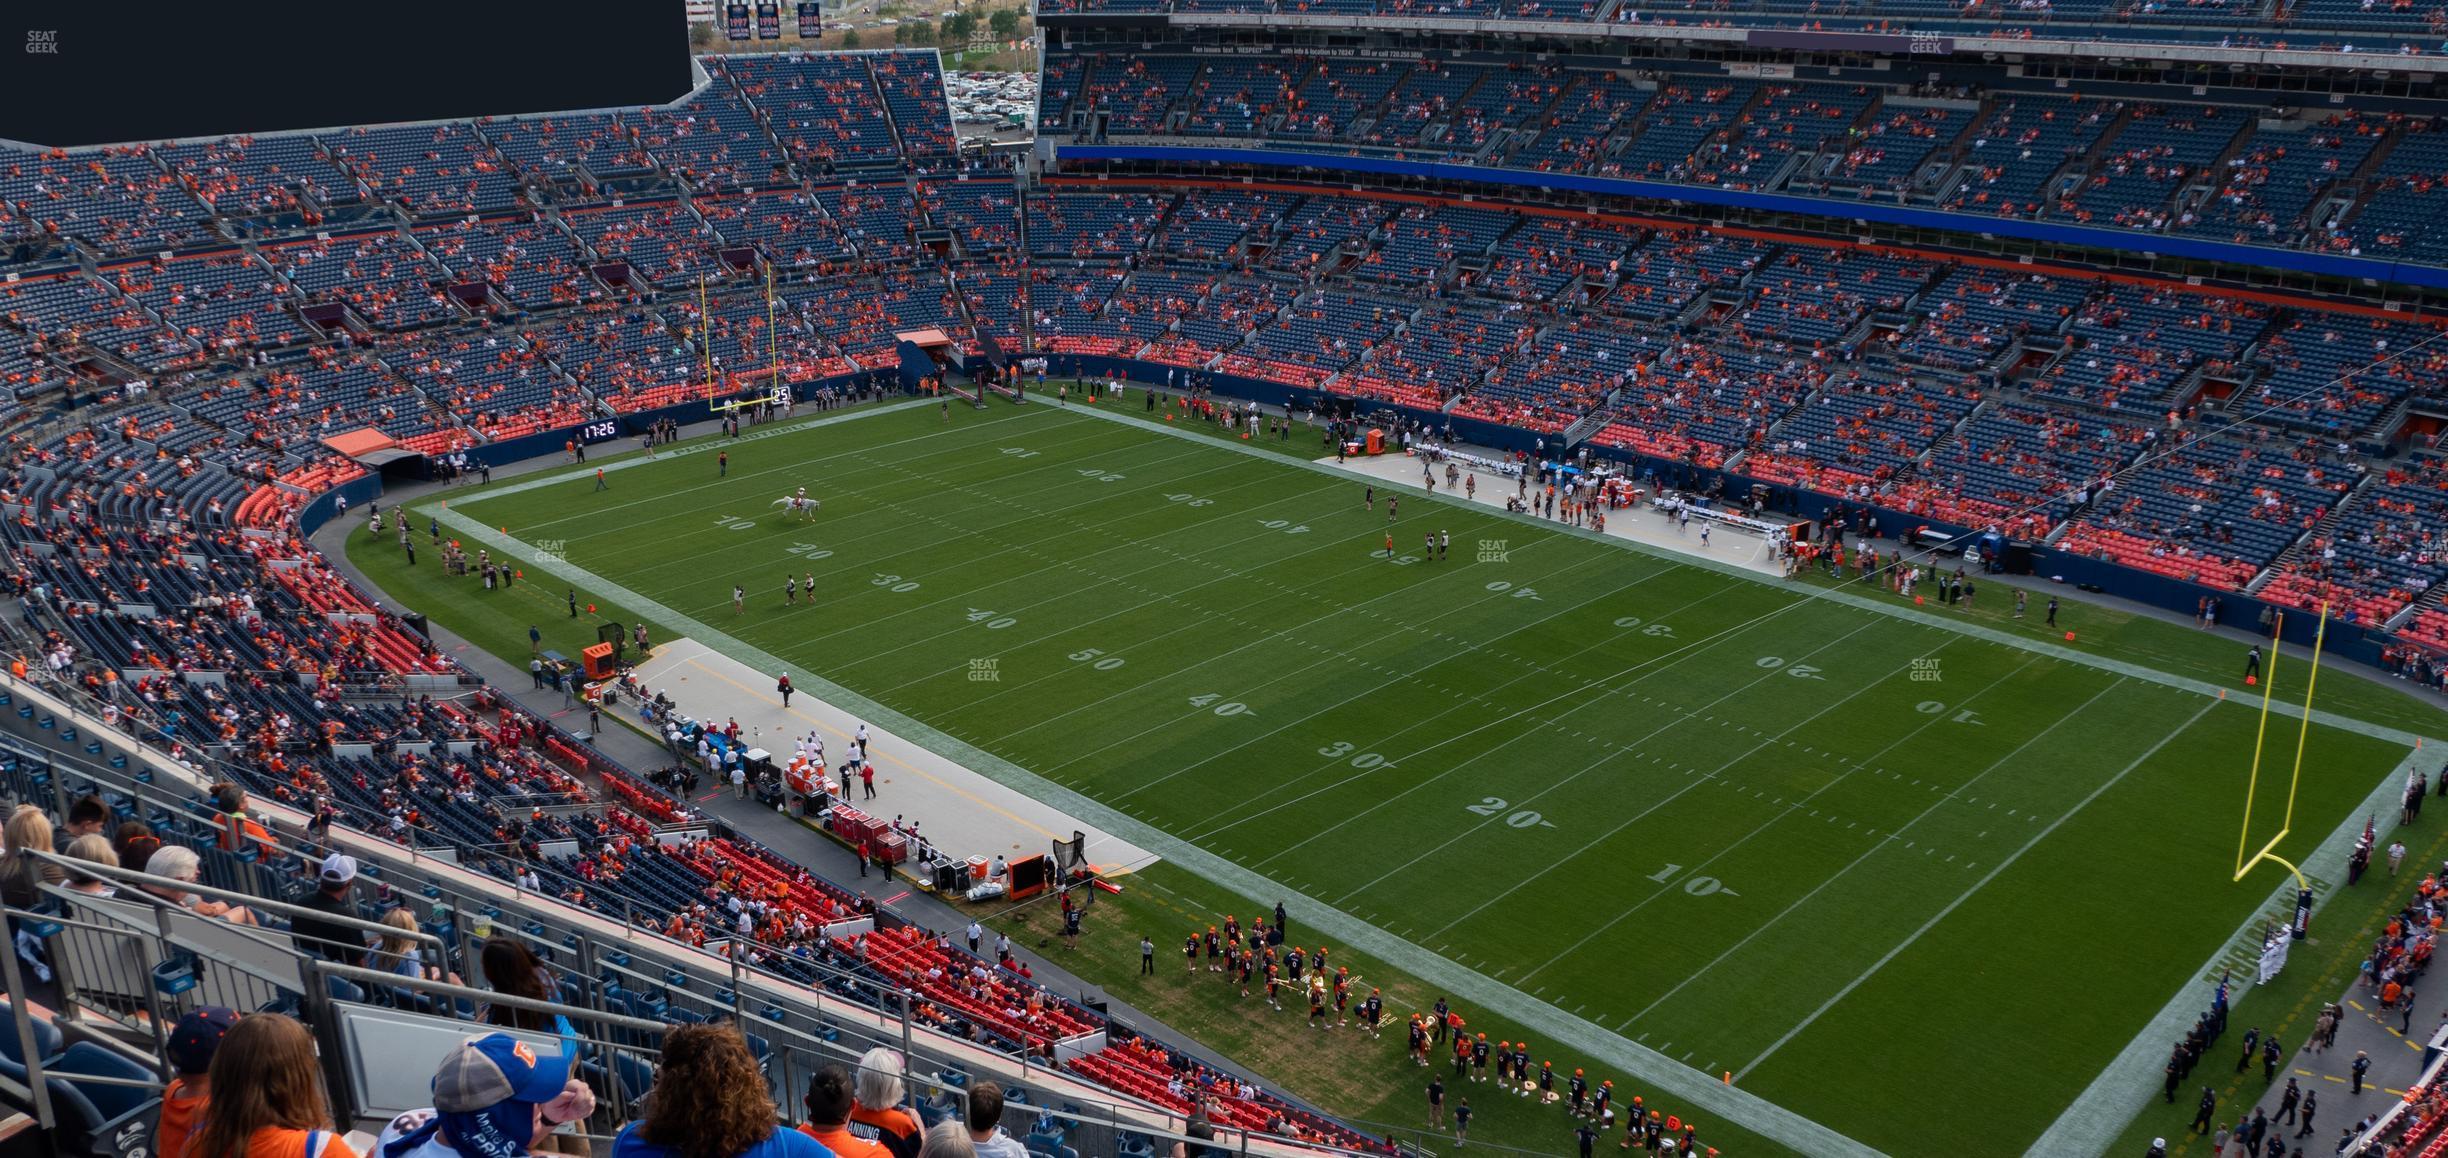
(1800, 671)
(1524, 818)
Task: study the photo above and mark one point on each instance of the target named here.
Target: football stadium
(1132, 578)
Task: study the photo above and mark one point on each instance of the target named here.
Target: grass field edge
(1744, 1109)
(2094, 1120)
(1807, 591)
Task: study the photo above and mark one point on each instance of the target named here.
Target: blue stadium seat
(93, 1113)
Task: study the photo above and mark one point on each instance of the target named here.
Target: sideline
(636, 458)
(1855, 599)
(2101, 1113)
(1691, 1087)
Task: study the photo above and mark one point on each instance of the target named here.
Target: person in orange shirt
(192, 1045)
(828, 1108)
(285, 1114)
(231, 801)
(878, 1114)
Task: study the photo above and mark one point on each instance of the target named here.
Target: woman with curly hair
(709, 1101)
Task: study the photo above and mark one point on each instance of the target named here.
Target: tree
(701, 34)
(920, 32)
(850, 39)
(956, 27)
(1004, 21)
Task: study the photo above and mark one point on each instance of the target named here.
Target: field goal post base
(2300, 925)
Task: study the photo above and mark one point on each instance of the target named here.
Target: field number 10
(1696, 886)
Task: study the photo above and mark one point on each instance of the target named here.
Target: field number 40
(1800, 671)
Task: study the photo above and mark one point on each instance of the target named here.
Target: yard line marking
(1482, 697)
(1488, 597)
(2103, 1109)
(1817, 594)
(1662, 662)
(956, 598)
(580, 472)
(1156, 598)
(847, 568)
(1704, 1092)
(1863, 688)
(1967, 894)
(1867, 853)
(583, 471)
(847, 529)
(1271, 681)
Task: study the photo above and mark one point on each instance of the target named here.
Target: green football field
(1911, 879)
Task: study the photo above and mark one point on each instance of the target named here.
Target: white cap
(339, 868)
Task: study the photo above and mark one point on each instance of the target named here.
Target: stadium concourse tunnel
(81, 1052)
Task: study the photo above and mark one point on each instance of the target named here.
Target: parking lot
(997, 104)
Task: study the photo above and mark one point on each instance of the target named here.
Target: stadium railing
(602, 960)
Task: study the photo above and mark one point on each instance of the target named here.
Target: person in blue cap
(494, 1097)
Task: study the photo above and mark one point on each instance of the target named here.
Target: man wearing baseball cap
(192, 1043)
(332, 940)
(494, 1097)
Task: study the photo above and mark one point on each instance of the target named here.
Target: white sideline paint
(1987, 877)
(1835, 594)
(1687, 1086)
(2102, 1111)
(1669, 1076)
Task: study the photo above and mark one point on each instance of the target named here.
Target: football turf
(1908, 882)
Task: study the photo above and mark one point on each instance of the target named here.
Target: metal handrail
(146, 882)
